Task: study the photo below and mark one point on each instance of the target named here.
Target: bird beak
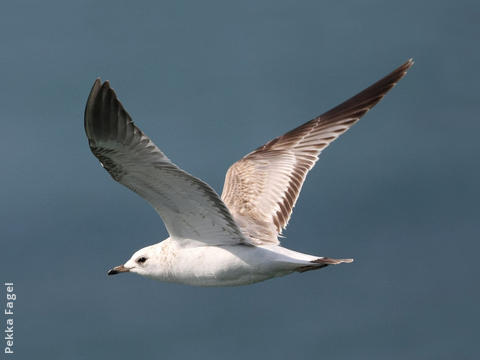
(118, 270)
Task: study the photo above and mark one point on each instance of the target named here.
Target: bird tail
(321, 263)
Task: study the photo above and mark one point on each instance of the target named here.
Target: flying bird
(233, 239)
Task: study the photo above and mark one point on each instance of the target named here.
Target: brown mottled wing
(261, 189)
(191, 210)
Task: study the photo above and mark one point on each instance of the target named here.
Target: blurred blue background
(209, 81)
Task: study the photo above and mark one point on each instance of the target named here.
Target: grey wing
(262, 188)
(189, 207)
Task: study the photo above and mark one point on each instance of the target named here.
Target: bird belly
(226, 265)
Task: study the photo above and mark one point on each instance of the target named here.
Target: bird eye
(141, 260)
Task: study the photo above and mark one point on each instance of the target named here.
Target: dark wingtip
(106, 84)
(95, 108)
(359, 104)
(97, 84)
(400, 72)
(405, 67)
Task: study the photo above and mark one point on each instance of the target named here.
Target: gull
(233, 239)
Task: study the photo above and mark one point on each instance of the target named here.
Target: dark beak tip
(118, 270)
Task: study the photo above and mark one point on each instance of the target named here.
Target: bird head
(142, 262)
